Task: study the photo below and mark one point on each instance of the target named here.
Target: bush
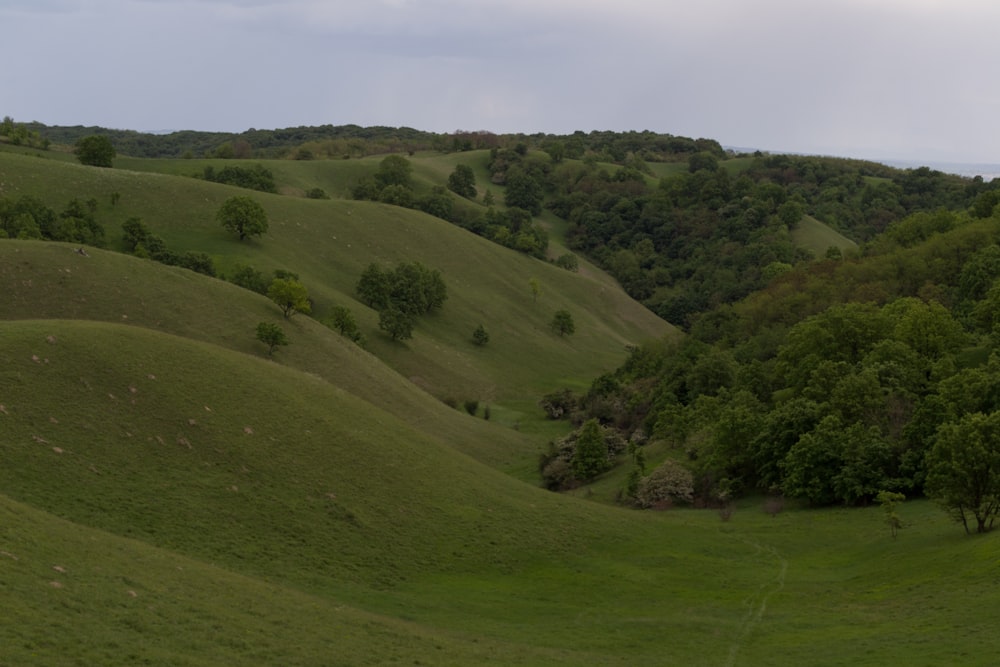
(669, 483)
(559, 404)
(562, 323)
(95, 151)
(249, 278)
(480, 336)
(568, 262)
(471, 407)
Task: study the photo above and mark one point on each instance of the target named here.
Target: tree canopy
(95, 150)
(243, 216)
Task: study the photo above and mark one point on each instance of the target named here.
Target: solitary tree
(271, 335)
(480, 336)
(290, 295)
(536, 288)
(394, 170)
(243, 216)
(890, 501)
(95, 151)
(562, 323)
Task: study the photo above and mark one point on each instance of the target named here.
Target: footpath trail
(756, 602)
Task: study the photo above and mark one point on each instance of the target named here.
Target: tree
(480, 336)
(396, 323)
(462, 181)
(889, 501)
(243, 216)
(249, 278)
(963, 469)
(536, 288)
(290, 295)
(590, 457)
(342, 320)
(523, 191)
(271, 335)
(95, 150)
(562, 323)
(393, 170)
(373, 287)
(135, 233)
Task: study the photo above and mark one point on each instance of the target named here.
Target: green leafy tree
(343, 321)
(963, 469)
(243, 216)
(890, 502)
(523, 191)
(462, 181)
(135, 233)
(249, 278)
(271, 335)
(393, 170)
(590, 457)
(703, 160)
(95, 150)
(395, 322)
(536, 288)
(562, 323)
(373, 287)
(480, 336)
(290, 295)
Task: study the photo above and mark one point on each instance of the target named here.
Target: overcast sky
(904, 79)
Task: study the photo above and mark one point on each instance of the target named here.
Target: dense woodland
(823, 378)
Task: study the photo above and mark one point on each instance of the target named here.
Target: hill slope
(329, 243)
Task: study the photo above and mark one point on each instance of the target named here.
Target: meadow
(170, 495)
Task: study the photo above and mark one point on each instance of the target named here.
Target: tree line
(843, 379)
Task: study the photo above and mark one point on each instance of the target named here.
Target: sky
(879, 79)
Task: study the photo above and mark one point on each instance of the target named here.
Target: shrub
(249, 278)
(559, 404)
(669, 483)
(562, 323)
(471, 406)
(568, 262)
(480, 336)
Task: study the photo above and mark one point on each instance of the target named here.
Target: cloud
(839, 76)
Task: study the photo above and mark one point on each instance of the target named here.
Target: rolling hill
(170, 495)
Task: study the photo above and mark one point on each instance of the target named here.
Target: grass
(263, 510)
(814, 235)
(168, 495)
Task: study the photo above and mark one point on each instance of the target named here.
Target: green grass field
(169, 495)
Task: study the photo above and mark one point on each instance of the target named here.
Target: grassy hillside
(203, 519)
(812, 234)
(329, 242)
(171, 496)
